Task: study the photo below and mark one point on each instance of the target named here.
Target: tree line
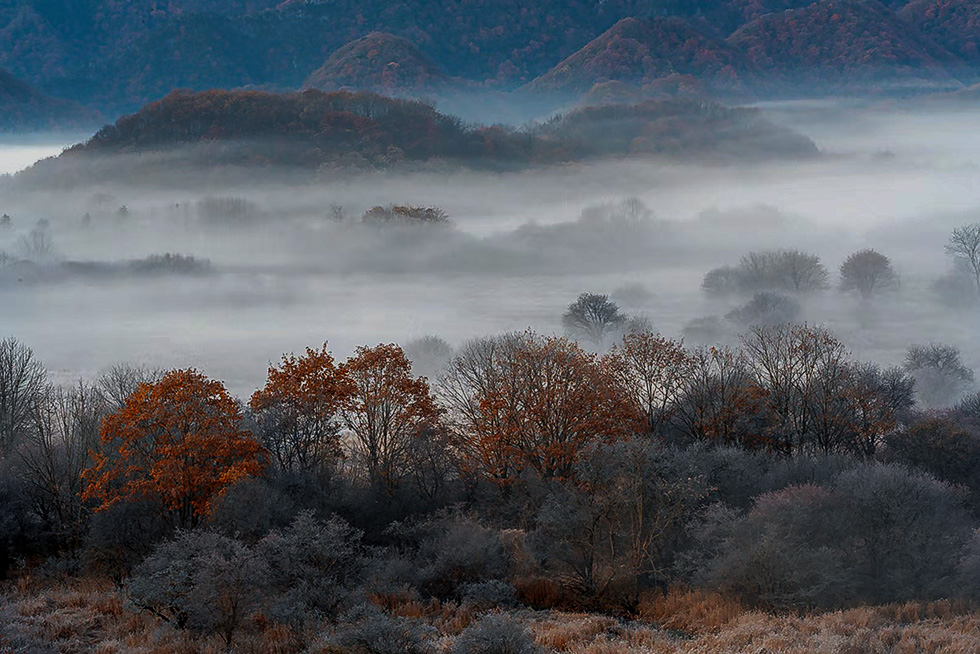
(532, 471)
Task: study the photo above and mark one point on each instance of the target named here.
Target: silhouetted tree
(940, 375)
(21, 382)
(964, 247)
(866, 272)
(593, 316)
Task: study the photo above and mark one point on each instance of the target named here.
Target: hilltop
(641, 51)
(379, 62)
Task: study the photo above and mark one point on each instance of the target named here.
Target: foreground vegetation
(89, 615)
(538, 497)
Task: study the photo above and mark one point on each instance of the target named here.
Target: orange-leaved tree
(297, 411)
(525, 402)
(178, 442)
(387, 412)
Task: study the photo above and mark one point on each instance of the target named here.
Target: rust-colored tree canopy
(653, 371)
(179, 442)
(297, 410)
(387, 409)
(529, 402)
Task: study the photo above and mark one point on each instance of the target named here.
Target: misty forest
(599, 327)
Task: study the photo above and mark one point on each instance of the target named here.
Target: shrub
(453, 550)
(122, 536)
(313, 567)
(901, 541)
(495, 634)
(368, 630)
(488, 594)
(201, 580)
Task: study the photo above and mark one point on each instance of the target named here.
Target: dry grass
(539, 592)
(694, 612)
(91, 616)
(561, 631)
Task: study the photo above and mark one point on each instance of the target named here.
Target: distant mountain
(379, 62)
(23, 107)
(844, 44)
(953, 23)
(121, 55)
(640, 51)
(117, 55)
(194, 136)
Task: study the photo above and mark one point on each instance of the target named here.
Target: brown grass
(90, 615)
(539, 592)
(692, 611)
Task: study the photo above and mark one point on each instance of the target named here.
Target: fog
(285, 272)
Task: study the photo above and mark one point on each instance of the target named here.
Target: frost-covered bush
(368, 630)
(201, 580)
(313, 567)
(495, 634)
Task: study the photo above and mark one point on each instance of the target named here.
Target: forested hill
(118, 55)
(358, 131)
(24, 107)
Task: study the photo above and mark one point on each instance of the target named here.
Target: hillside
(117, 56)
(343, 132)
(954, 23)
(640, 51)
(845, 45)
(120, 55)
(379, 62)
(23, 107)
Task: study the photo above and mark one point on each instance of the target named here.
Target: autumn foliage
(297, 410)
(386, 412)
(529, 403)
(178, 442)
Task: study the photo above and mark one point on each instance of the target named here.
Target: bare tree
(118, 382)
(37, 244)
(653, 372)
(21, 382)
(964, 247)
(64, 428)
(789, 270)
(802, 370)
(866, 272)
(337, 213)
(593, 316)
(775, 270)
